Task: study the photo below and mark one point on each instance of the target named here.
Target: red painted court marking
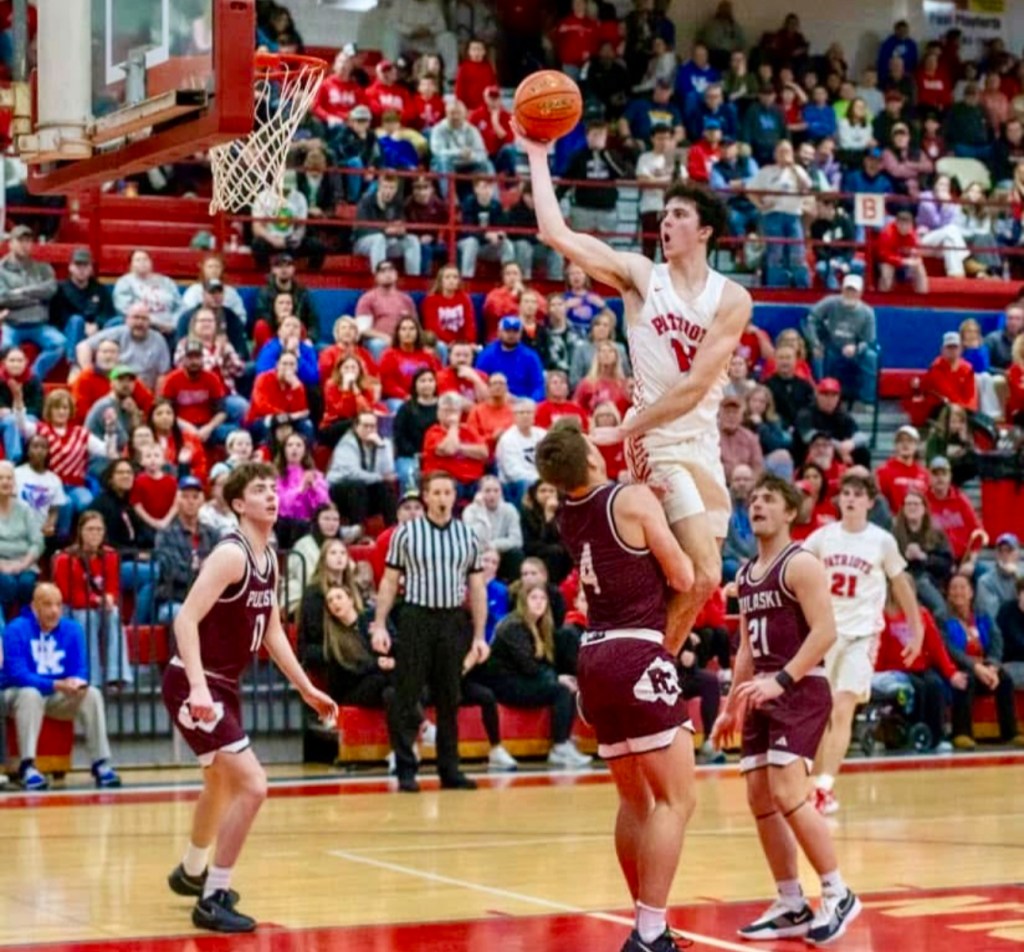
(359, 785)
(928, 920)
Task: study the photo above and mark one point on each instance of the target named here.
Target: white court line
(532, 900)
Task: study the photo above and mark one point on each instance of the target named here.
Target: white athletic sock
(194, 861)
(832, 883)
(650, 923)
(219, 877)
(825, 782)
(791, 893)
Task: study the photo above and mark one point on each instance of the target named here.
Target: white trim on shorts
(614, 634)
(643, 745)
(235, 747)
(773, 758)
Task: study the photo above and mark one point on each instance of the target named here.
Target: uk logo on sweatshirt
(49, 658)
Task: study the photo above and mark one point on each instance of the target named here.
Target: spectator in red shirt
(88, 575)
(346, 394)
(154, 495)
(279, 397)
(927, 673)
(823, 508)
(474, 75)
(934, 91)
(604, 381)
(346, 344)
(448, 310)
(451, 446)
(902, 472)
(954, 514)
(461, 377)
(427, 108)
(557, 403)
(494, 122)
(575, 39)
(504, 300)
(183, 452)
(405, 356)
(199, 397)
(339, 93)
(493, 416)
(705, 152)
(1015, 382)
(950, 378)
(898, 255)
(385, 93)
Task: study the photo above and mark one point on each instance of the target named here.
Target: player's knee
(686, 802)
(759, 797)
(254, 787)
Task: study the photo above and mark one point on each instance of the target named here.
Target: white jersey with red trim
(859, 565)
(663, 341)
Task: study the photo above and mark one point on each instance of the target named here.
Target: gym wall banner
(978, 20)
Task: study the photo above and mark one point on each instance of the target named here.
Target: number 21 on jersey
(757, 631)
(843, 585)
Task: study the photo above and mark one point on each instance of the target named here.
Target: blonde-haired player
(861, 561)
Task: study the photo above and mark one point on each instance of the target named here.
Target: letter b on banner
(868, 210)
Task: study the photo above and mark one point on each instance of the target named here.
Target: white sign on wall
(978, 20)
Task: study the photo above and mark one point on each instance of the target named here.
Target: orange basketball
(547, 106)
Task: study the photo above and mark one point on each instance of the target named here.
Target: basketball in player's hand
(547, 105)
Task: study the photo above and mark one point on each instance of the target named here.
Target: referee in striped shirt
(439, 557)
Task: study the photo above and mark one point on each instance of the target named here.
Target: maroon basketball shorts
(630, 691)
(206, 738)
(788, 728)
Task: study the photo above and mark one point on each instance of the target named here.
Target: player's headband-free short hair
(244, 474)
(711, 210)
(563, 455)
(857, 481)
(792, 498)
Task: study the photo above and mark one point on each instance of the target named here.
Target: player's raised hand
(760, 690)
(324, 706)
(607, 435)
(529, 146)
(200, 703)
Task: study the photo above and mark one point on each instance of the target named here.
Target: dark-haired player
(786, 628)
(683, 323)
(861, 561)
(629, 686)
(230, 611)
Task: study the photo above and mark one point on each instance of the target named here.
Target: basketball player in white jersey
(683, 322)
(861, 560)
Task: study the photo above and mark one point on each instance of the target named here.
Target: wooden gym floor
(934, 846)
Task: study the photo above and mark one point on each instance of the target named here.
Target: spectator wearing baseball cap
(357, 147)
(181, 548)
(81, 305)
(827, 416)
(200, 398)
(902, 472)
(494, 123)
(950, 378)
(999, 586)
(508, 355)
(706, 151)
(841, 331)
(954, 513)
(386, 92)
(211, 268)
(740, 446)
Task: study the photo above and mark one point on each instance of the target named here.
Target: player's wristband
(785, 679)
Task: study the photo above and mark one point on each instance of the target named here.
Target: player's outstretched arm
(637, 503)
(623, 271)
(742, 672)
(708, 365)
(223, 567)
(280, 650)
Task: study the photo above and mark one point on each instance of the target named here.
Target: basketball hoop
(285, 87)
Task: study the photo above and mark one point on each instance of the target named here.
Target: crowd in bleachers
(116, 495)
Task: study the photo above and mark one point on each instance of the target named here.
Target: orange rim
(282, 65)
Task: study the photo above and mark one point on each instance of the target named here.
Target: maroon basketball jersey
(775, 621)
(625, 587)
(233, 629)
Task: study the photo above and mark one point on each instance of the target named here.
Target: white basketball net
(246, 168)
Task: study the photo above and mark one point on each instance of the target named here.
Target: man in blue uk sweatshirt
(46, 673)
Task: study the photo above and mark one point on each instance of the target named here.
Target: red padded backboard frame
(229, 116)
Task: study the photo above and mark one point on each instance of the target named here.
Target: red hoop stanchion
(284, 90)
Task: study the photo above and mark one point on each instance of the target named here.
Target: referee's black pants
(429, 651)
